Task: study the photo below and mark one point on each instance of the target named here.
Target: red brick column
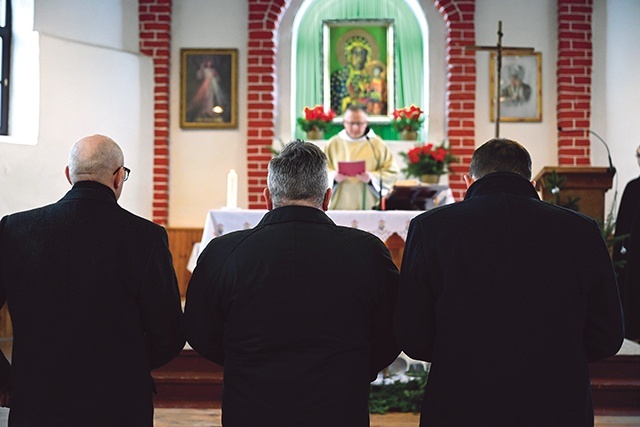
(461, 86)
(155, 41)
(264, 16)
(574, 81)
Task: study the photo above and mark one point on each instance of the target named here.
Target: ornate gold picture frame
(209, 88)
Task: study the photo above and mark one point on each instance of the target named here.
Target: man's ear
(468, 180)
(327, 199)
(66, 173)
(118, 179)
(267, 198)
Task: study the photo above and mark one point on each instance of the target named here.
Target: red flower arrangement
(427, 160)
(315, 118)
(408, 118)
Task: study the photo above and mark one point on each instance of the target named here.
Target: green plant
(427, 159)
(608, 232)
(398, 396)
(556, 183)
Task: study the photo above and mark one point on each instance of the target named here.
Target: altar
(389, 226)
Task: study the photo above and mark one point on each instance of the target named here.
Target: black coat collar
(91, 190)
(295, 213)
(502, 182)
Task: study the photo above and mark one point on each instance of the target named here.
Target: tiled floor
(169, 417)
(166, 417)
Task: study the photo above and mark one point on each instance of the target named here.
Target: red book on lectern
(353, 168)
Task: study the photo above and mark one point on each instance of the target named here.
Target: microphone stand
(612, 169)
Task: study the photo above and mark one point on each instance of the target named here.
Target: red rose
(308, 113)
(414, 155)
(440, 154)
(414, 112)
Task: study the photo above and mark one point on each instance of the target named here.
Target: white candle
(232, 189)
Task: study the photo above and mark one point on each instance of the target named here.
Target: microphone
(366, 132)
(612, 169)
(378, 165)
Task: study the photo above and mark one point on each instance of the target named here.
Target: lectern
(588, 183)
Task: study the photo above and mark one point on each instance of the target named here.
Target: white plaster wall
(82, 89)
(112, 23)
(201, 158)
(615, 107)
(524, 24)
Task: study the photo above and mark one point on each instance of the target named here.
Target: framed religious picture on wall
(358, 66)
(520, 87)
(208, 88)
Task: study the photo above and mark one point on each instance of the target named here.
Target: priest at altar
(362, 189)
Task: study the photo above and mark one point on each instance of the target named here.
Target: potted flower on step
(407, 121)
(315, 121)
(427, 162)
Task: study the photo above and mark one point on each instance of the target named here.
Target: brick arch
(461, 86)
(264, 16)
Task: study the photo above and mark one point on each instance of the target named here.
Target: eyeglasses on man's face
(127, 171)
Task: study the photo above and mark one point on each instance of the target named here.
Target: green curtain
(307, 55)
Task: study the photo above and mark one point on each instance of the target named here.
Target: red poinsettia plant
(427, 160)
(408, 118)
(316, 118)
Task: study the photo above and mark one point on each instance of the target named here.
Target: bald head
(95, 158)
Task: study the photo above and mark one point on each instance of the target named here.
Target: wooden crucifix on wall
(499, 50)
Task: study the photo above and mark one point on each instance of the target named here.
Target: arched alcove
(269, 72)
(404, 56)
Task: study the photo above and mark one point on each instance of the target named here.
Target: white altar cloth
(380, 223)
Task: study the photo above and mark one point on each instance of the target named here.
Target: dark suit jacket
(628, 277)
(509, 298)
(95, 306)
(299, 311)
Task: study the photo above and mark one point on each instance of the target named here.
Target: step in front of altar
(188, 381)
(615, 385)
(191, 381)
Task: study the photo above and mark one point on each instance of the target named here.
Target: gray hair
(94, 158)
(298, 175)
(500, 155)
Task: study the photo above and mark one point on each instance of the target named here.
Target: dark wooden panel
(181, 242)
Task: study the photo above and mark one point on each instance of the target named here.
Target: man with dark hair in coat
(509, 298)
(93, 298)
(298, 309)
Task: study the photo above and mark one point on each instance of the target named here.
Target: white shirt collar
(343, 135)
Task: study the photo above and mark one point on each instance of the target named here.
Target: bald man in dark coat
(509, 298)
(93, 299)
